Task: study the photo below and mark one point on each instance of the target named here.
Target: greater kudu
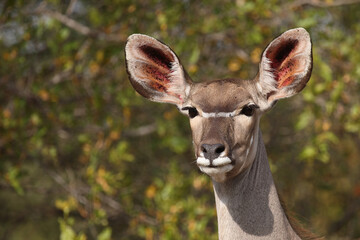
(224, 118)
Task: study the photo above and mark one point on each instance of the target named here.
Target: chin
(222, 168)
(218, 174)
(219, 169)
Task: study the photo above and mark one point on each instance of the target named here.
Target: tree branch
(70, 7)
(77, 26)
(67, 21)
(79, 190)
(141, 131)
(323, 4)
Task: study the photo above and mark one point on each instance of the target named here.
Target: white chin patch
(220, 166)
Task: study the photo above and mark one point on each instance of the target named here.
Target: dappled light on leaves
(88, 158)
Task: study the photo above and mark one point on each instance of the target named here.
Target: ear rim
(180, 78)
(266, 83)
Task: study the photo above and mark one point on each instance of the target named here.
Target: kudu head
(224, 114)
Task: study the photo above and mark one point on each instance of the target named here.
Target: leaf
(308, 153)
(66, 231)
(150, 192)
(195, 55)
(13, 176)
(121, 153)
(305, 119)
(105, 234)
(67, 205)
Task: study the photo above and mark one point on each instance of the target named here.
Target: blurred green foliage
(82, 156)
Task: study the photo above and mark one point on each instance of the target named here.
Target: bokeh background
(82, 156)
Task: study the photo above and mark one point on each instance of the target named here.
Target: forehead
(221, 95)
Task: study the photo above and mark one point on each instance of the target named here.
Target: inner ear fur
(286, 65)
(154, 70)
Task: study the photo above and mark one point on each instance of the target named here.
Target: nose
(212, 151)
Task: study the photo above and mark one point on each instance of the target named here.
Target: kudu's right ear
(155, 71)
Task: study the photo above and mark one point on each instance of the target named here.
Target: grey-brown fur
(224, 118)
(248, 206)
(236, 92)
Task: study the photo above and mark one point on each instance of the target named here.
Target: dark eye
(192, 111)
(249, 110)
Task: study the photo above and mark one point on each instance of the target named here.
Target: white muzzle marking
(217, 162)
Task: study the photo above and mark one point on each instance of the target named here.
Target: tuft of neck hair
(299, 229)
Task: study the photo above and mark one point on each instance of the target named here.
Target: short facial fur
(224, 114)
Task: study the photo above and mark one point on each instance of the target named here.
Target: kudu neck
(248, 205)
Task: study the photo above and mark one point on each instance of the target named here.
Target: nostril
(212, 151)
(220, 149)
(203, 149)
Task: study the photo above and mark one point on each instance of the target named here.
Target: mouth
(215, 168)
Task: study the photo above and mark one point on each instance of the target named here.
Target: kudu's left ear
(155, 71)
(285, 66)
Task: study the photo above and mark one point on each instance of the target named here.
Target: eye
(191, 111)
(249, 110)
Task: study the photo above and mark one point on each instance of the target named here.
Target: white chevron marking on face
(218, 114)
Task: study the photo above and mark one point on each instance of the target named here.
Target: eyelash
(248, 110)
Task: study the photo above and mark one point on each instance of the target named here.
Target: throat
(248, 205)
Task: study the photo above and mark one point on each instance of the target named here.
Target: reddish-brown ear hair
(286, 65)
(155, 71)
